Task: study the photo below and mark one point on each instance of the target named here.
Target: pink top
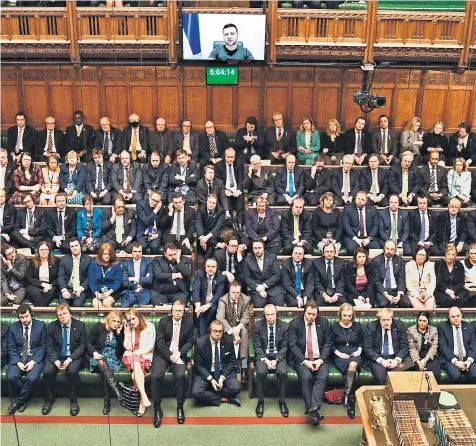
(361, 282)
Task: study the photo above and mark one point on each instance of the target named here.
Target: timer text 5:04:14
(223, 72)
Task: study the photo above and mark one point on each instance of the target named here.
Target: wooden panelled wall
(152, 91)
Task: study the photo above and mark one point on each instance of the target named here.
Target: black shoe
(107, 405)
(158, 415)
(237, 369)
(47, 407)
(22, 408)
(14, 407)
(284, 410)
(260, 409)
(180, 415)
(351, 407)
(234, 401)
(74, 409)
(244, 376)
(314, 416)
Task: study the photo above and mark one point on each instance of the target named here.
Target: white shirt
(44, 273)
(29, 336)
(315, 343)
(277, 133)
(2, 209)
(137, 269)
(20, 140)
(457, 333)
(390, 341)
(27, 225)
(53, 147)
(3, 171)
(99, 186)
(177, 326)
(274, 332)
(393, 283)
(214, 345)
(384, 140)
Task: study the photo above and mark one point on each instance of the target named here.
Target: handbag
(334, 396)
(130, 398)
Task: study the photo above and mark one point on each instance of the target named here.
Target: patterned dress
(109, 353)
(20, 179)
(78, 199)
(89, 232)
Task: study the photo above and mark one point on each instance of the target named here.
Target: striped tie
(50, 142)
(453, 230)
(212, 147)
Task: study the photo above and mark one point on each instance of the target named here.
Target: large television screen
(234, 37)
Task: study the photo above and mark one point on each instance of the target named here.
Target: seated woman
(459, 182)
(469, 266)
(105, 277)
(89, 225)
(42, 276)
(423, 345)
(307, 141)
(421, 280)
(50, 182)
(435, 141)
(105, 347)
(139, 341)
(359, 279)
(411, 139)
(264, 222)
(327, 223)
(73, 178)
(332, 143)
(347, 339)
(27, 179)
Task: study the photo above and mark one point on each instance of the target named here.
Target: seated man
(13, 283)
(258, 182)
(230, 260)
(360, 224)
(156, 176)
(270, 341)
(296, 229)
(8, 214)
(171, 276)
(374, 181)
(289, 182)
(386, 346)
(214, 378)
(136, 278)
(73, 280)
(297, 278)
(60, 224)
(329, 278)
(187, 140)
(457, 348)
(210, 220)
(279, 140)
(183, 177)
(389, 279)
(462, 144)
(99, 178)
(126, 179)
(385, 142)
(26, 351)
(395, 226)
(345, 182)
(209, 185)
(173, 339)
(161, 141)
(30, 227)
(261, 270)
(357, 142)
(135, 139)
(212, 145)
(119, 226)
(208, 288)
(109, 140)
(49, 141)
(317, 180)
(65, 347)
(310, 348)
(151, 213)
(423, 228)
(248, 140)
(80, 137)
(404, 180)
(434, 181)
(233, 313)
(264, 222)
(451, 228)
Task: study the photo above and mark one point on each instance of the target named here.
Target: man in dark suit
(374, 181)
(209, 223)
(20, 138)
(261, 270)
(187, 140)
(119, 226)
(161, 140)
(360, 224)
(434, 181)
(7, 166)
(385, 142)
(462, 144)
(270, 340)
(26, 352)
(49, 141)
(289, 182)
(451, 228)
(99, 178)
(4, 352)
(60, 224)
(171, 277)
(135, 139)
(208, 288)
(470, 226)
(127, 179)
(329, 278)
(395, 225)
(109, 140)
(212, 145)
(173, 339)
(151, 213)
(13, 271)
(209, 184)
(8, 218)
(310, 347)
(80, 137)
(257, 182)
(136, 279)
(261, 219)
(345, 182)
(183, 177)
(389, 279)
(73, 280)
(296, 229)
(230, 260)
(423, 228)
(156, 176)
(385, 345)
(248, 141)
(457, 348)
(357, 142)
(30, 225)
(297, 278)
(65, 347)
(404, 180)
(279, 141)
(318, 181)
(214, 378)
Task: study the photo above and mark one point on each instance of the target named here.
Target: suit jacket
(269, 276)
(203, 357)
(190, 218)
(191, 177)
(349, 141)
(240, 145)
(288, 278)
(350, 221)
(28, 139)
(350, 275)
(116, 138)
(37, 336)
(395, 180)
(271, 143)
(443, 228)
(441, 179)
(281, 339)
(320, 277)
(69, 222)
(42, 140)
(162, 274)
(112, 279)
(282, 179)
(54, 340)
(146, 273)
(469, 152)
(453, 281)
(33, 275)
(143, 133)
(415, 226)
(221, 144)
(221, 172)
(365, 180)
(4, 351)
(20, 266)
(287, 226)
(156, 178)
(446, 341)
(164, 334)
(338, 182)
(379, 273)
(178, 143)
(224, 312)
(392, 142)
(272, 221)
(373, 341)
(470, 226)
(258, 185)
(9, 218)
(91, 176)
(220, 257)
(321, 183)
(218, 188)
(96, 341)
(85, 141)
(205, 224)
(297, 338)
(415, 340)
(168, 143)
(403, 226)
(9, 186)
(79, 177)
(146, 218)
(39, 215)
(117, 177)
(200, 286)
(65, 271)
(130, 225)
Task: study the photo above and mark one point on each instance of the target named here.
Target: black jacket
(28, 140)
(321, 183)
(116, 139)
(41, 143)
(206, 224)
(288, 278)
(9, 218)
(281, 339)
(97, 340)
(143, 133)
(287, 226)
(162, 274)
(373, 340)
(77, 340)
(379, 273)
(350, 278)
(203, 357)
(91, 176)
(164, 144)
(221, 144)
(164, 334)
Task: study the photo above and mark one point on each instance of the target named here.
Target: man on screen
(232, 48)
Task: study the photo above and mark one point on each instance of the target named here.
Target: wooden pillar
(73, 32)
(172, 20)
(469, 24)
(272, 31)
(371, 30)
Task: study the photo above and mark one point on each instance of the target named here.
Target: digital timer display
(222, 76)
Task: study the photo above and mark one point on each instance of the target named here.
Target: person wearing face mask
(109, 140)
(435, 141)
(80, 137)
(248, 140)
(135, 139)
(161, 140)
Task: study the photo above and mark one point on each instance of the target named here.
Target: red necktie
(310, 354)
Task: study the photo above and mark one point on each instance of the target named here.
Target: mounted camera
(363, 98)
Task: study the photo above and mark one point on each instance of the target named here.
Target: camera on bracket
(366, 101)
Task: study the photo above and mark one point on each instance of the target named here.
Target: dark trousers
(163, 299)
(39, 298)
(433, 366)
(72, 375)
(131, 298)
(260, 302)
(350, 244)
(288, 248)
(74, 302)
(64, 246)
(106, 200)
(445, 301)
(380, 373)
(153, 246)
(118, 246)
(443, 201)
(238, 204)
(432, 250)
(205, 319)
(22, 242)
(457, 376)
(135, 198)
(322, 303)
(312, 199)
(159, 367)
(203, 391)
(382, 302)
(21, 390)
(281, 375)
(313, 384)
(210, 249)
(20, 295)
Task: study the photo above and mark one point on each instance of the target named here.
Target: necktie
(291, 183)
(64, 345)
(298, 278)
(210, 187)
(107, 144)
(212, 146)
(230, 176)
(76, 275)
(178, 217)
(359, 144)
(374, 187)
(19, 140)
(423, 227)
(459, 344)
(361, 223)
(60, 223)
(50, 142)
(296, 227)
(385, 352)
(186, 143)
(30, 219)
(119, 230)
(280, 134)
(271, 341)
(209, 296)
(433, 179)
(128, 180)
(260, 263)
(234, 315)
(78, 131)
(24, 351)
(100, 177)
(346, 185)
(216, 373)
(394, 227)
(405, 183)
(330, 286)
(134, 145)
(384, 141)
(174, 345)
(388, 279)
(453, 230)
(310, 353)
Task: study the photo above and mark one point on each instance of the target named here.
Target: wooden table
(465, 394)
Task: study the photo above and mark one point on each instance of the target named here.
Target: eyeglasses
(185, 125)
(50, 123)
(217, 331)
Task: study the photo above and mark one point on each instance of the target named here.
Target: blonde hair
(384, 312)
(71, 153)
(345, 307)
(336, 123)
(112, 314)
(411, 125)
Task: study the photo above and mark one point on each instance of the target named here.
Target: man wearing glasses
(187, 140)
(49, 141)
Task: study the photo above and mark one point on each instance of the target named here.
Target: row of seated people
(309, 344)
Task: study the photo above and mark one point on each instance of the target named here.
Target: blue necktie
(388, 279)
(64, 346)
(298, 278)
(385, 345)
(216, 373)
(291, 183)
